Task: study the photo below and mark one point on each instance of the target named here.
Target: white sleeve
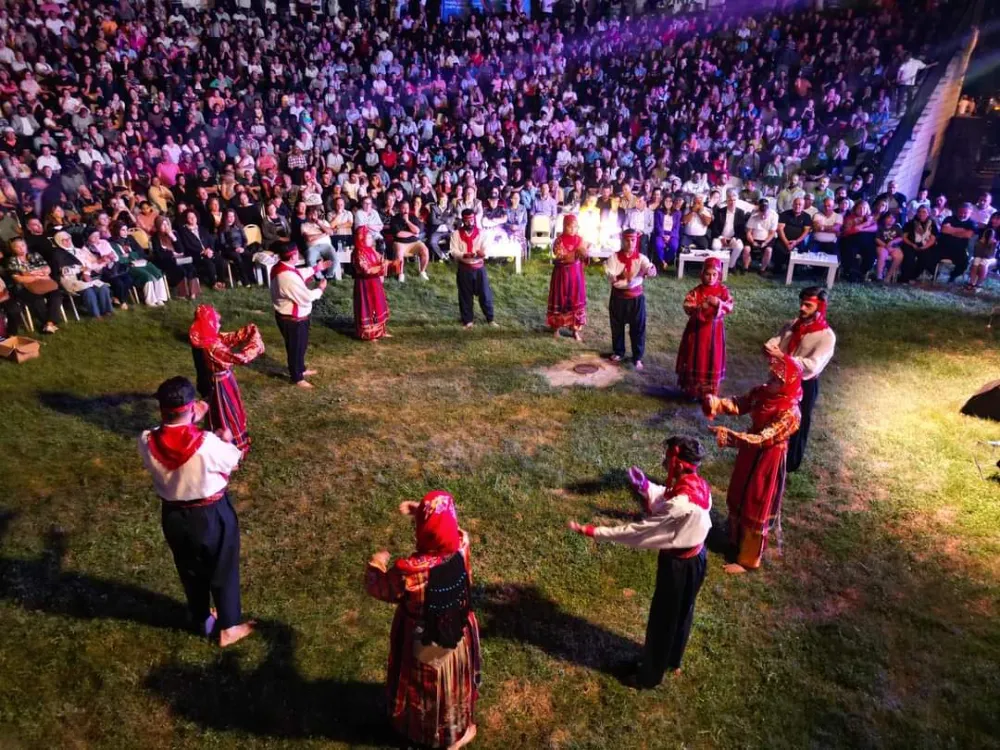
(817, 359)
(299, 293)
(219, 456)
(654, 498)
(613, 267)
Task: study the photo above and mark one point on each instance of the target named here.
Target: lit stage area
(878, 626)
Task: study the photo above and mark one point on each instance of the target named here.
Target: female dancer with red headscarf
(758, 482)
(371, 310)
(568, 287)
(215, 354)
(434, 664)
(701, 359)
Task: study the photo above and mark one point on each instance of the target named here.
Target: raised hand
(638, 479)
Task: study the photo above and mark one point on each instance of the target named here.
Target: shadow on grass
(523, 614)
(41, 585)
(616, 479)
(126, 414)
(273, 699)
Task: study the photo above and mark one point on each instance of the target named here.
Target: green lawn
(879, 627)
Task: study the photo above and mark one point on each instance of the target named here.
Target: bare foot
(387, 335)
(467, 326)
(677, 672)
(304, 384)
(229, 636)
(555, 334)
(639, 366)
(734, 569)
(465, 739)
(309, 373)
(218, 286)
(615, 358)
(577, 336)
(494, 324)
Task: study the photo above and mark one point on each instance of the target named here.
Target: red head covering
(789, 373)
(205, 330)
(437, 525)
(710, 265)
(570, 242)
(361, 239)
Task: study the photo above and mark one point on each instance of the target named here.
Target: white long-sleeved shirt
(614, 267)
(205, 474)
(289, 293)
(459, 249)
(673, 523)
(814, 351)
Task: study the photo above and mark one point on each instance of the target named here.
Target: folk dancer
(293, 302)
(627, 269)
(757, 486)
(568, 287)
(190, 468)
(469, 249)
(434, 659)
(676, 522)
(811, 342)
(371, 310)
(215, 354)
(701, 358)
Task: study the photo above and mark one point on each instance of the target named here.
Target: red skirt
(567, 297)
(371, 311)
(755, 494)
(701, 358)
(226, 409)
(432, 702)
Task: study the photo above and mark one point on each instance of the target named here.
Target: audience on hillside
(187, 128)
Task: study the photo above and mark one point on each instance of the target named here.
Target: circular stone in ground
(586, 369)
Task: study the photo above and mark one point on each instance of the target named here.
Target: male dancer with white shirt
(190, 468)
(293, 302)
(469, 249)
(626, 270)
(810, 341)
(676, 521)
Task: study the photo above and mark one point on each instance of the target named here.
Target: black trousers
(797, 442)
(205, 543)
(11, 313)
(915, 263)
(242, 265)
(296, 336)
(45, 308)
(630, 312)
(211, 270)
(473, 283)
(670, 615)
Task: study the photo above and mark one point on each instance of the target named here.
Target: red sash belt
(200, 503)
(473, 266)
(292, 318)
(632, 292)
(685, 554)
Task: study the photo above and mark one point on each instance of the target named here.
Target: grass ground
(878, 628)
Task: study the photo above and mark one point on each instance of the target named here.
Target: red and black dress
(215, 354)
(568, 287)
(371, 310)
(701, 358)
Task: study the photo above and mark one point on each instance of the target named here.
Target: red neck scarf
(570, 242)
(694, 487)
(629, 254)
(469, 238)
(205, 330)
(800, 327)
(173, 445)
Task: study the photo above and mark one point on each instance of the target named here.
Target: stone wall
(922, 150)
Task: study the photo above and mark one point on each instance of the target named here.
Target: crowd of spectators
(139, 140)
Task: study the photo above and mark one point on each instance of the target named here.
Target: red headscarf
(711, 264)
(800, 327)
(789, 372)
(571, 242)
(205, 330)
(361, 244)
(437, 525)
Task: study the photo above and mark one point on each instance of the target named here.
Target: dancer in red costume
(371, 310)
(701, 359)
(568, 287)
(215, 354)
(758, 482)
(434, 661)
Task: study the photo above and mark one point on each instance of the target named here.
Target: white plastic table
(830, 262)
(506, 250)
(700, 256)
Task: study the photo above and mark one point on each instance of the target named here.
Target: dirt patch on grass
(589, 370)
(519, 700)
